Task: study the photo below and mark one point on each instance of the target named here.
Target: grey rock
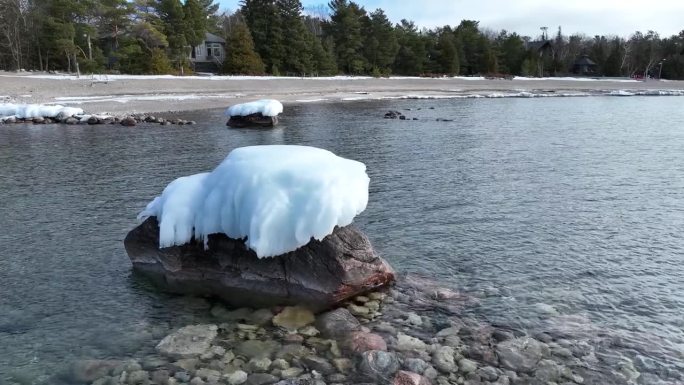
(548, 371)
(343, 365)
(378, 365)
(408, 343)
(128, 121)
(238, 377)
(182, 376)
(414, 319)
(261, 379)
(291, 372)
(257, 348)
(261, 317)
(430, 373)
(259, 365)
(208, 374)
(488, 373)
(138, 377)
(90, 370)
(466, 366)
(319, 364)
(320, 274)
(443, 359)
(416, 365)
(188, 341)
(337, 323)
(160, 376)
(293, 351)
(520, 354)
(280, 364)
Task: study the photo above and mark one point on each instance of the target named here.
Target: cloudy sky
(592, 17)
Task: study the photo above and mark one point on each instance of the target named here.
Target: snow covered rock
(260, 113)
(277, 197)
(209, 233)
(319, 275)
(25, 111)
(265, 107)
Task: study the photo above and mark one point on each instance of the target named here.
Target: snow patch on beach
(277, 197)
(147, 97)
(577, 79)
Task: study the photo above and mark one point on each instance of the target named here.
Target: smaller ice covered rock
(265, 107)
(261, 113)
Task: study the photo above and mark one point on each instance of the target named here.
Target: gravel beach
(118, 94)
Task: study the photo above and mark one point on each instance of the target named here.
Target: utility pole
(660, 71)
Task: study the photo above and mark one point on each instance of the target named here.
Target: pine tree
(241, 58)
(265, 24)
(297, 55)
(447, 55)
(346, 28)
(195, 22)
(323, 57)
(412, 53)
(381, 45)
(172, 19)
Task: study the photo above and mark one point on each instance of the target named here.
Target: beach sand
(129, 94)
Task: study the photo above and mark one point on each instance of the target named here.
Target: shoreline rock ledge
(318, 275)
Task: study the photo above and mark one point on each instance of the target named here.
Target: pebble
(466, 366)
(414, 319)
(238, 377)
(343, 365)
(293, 318)
(358, 310)
(416, 365)
(406, 343)
(291, 372)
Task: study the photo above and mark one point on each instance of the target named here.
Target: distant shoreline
(119, 94)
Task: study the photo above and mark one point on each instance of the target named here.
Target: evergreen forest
(280, 37)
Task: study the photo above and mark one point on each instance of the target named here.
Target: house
(584, 66)
(209, 56)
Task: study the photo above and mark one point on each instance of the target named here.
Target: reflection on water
(562, 216)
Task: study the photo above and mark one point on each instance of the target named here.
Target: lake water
(560, 215)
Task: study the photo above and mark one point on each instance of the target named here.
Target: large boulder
(318, 275)
(253, 120)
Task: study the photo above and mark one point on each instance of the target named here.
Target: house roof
(584, 61)
(211, 38)
(540, 45)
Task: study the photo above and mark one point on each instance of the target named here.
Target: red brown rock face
(318, 275)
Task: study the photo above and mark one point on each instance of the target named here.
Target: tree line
(279, 37)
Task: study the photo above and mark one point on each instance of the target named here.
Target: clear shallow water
(560, 215)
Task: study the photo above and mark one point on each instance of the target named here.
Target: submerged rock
(188, 341)
(378, 366)
(521, 354)
(293, 318)
(320, 274)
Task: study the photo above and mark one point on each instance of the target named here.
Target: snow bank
(267, 107)
(23, 111)
(278, 197)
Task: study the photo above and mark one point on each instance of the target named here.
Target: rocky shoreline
(407, 334)
(124, 120)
